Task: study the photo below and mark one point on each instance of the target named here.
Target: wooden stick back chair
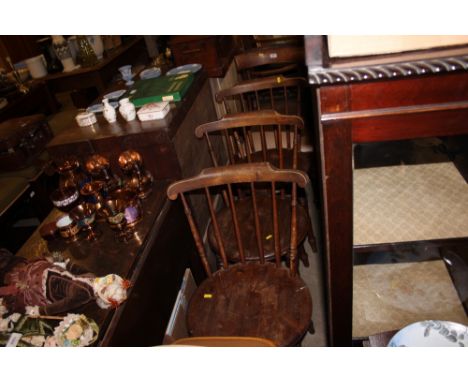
(255, 299)
(278, 93)
(244, 136)
(246, 140)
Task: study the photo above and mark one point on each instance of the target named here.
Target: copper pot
(92, 191)
(133, 211)
(68, 228)
(130, 160)
(65, 198)
(96, 164)
(99, 168)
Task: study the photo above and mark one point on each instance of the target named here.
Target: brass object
(19, 83)
(92, 192)
(137, 179)
(68, 228)
(99, 168)
(70, 173)
(130, 160)
(85, 215)
(65, 198)
(133, 211)
(115, 213)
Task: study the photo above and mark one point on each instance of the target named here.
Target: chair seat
(304, 159)
(253, 300)
(245, 217)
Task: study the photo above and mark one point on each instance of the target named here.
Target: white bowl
(432, 333)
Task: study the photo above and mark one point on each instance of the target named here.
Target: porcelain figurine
(109, 112)
(55, 288)
(127, 109)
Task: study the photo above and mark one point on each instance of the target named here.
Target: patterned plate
(114, 95)
(431, 333)
(189, 68)
(99, 107)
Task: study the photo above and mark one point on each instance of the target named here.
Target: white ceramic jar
(109, 112)
(127, 109)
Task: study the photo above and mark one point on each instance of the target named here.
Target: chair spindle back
(215, 178)
(276, 93)
(244, 135)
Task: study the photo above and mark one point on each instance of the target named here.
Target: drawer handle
(191, 51)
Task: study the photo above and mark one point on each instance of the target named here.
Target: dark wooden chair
(245, 137)
(271, 61)
(249, 299)
(283, 94)
(259, 136)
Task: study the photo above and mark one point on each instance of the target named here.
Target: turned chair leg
(311, 236)
(311, 329)
(302, 254)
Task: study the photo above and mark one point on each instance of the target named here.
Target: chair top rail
(239, 173)
(260, 84)
(253, 118)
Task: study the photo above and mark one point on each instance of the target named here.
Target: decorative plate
(114, 95)
(76, 330)
(99, 107)
(189, 68)
(431, 333)
(150, 73)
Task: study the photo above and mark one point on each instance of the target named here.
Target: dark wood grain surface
(164, 154)
(108, 254)
(256, 300)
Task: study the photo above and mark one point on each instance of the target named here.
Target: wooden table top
(106, 255)
(102, 129)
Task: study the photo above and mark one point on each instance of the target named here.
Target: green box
(165, 88)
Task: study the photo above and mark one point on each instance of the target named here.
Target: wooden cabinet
(213, 52)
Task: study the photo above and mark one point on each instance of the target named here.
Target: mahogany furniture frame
(406, 96)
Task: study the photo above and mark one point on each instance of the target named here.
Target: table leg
(337, 187)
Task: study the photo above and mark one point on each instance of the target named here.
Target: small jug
(126, 72)
(109, 112)
(127, 109)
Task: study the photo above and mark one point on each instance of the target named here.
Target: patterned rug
(407, 203)
(391, 296)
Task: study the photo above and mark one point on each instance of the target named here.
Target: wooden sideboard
(162, 246)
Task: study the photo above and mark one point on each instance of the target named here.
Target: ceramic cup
(68, 228)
